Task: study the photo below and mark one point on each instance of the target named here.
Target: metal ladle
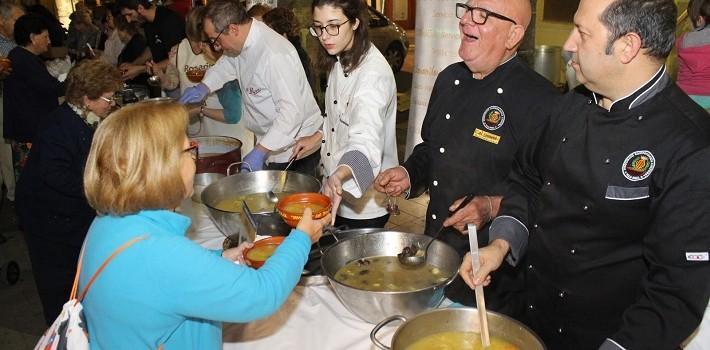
(271, 196)
(413, 256)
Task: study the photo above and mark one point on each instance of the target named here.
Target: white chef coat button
(562, 294)
(442, 150)
(535, 226)
(435, 183)
(530, 267)
(640, 118)
(589, 102)
(585, 208)
(573, 251)
(531, 306)
(607, 161)
(447, 116)
(500, 91)
(564, 139)
(433, 216)
(456, 82)
(559, 330)
(548, 183)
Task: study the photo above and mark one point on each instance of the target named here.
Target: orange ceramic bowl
(262, 250)
(291, 207)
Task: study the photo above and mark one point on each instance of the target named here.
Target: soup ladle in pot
(413, 256)
(271, 196)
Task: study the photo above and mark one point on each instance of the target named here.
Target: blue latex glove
(255, 159)
(195, 94)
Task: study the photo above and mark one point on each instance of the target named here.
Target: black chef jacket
(470, 133)
(618, 247)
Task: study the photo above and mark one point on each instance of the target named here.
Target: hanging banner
(437, 43)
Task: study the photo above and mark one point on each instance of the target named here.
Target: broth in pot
(387, 274)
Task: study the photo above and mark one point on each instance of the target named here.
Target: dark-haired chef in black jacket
(617, 248)
(480, 112)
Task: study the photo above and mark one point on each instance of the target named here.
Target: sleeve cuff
(512, 231)
(362, 172)
(407, 192)
(609, 344)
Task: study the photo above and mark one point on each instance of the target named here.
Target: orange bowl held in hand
(263, 249)
(291, 207)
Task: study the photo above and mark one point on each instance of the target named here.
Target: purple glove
(255, 160)
(195, 94)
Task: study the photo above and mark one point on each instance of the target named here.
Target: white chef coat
(279, 106)
(361, 114)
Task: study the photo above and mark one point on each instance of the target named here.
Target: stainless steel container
(547, 60)
(231, 223)
(457, 320)
(375, 306)
(216, 153)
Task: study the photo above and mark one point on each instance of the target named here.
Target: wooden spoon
(480, 300)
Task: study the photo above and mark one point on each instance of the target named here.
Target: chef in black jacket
(480, 112)
(617, 251)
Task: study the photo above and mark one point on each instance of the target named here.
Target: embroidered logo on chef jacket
(638, 165)
(697, 256)
(493, 118)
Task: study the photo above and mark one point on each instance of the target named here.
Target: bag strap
(75, 287)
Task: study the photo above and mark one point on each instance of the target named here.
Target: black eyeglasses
(213, 42)
(193, 150)
(479, 15)
(331, 29)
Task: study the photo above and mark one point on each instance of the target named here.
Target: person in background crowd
(481, 111)
(283, 21)
(57, 33)
(163, 29)
(166, 291)
(30, 92)
(9, 13)
(694, 54)
(357, 139)
(112, 44)
(51, 206)
(83, 36)
(134, 45)
(221, 112)
(279, 107)
(617, 244)
(257, 11)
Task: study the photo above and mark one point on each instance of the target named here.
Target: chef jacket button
(322, 141)
(332, 129)
(585, 208)
(321, 164)
(530, 267)
(346, 75)
(640, 118)
(433, 216)
(559, 330)
(573, 251)
(447, 116)
(442, 150)
(564, 139)
(535, 225)
(335, 102)
(328, 154)
(607, 161)
(500, 91)
(435, 183)
(548, 183)
(456, 82)
(562, 294)
(589, 102)
(531, 306)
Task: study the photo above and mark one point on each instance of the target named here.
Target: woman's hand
(237, 254)
(333, 188)
(306, 144)
(313, 228)
(491, 257)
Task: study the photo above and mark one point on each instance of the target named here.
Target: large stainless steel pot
(374, 306)
(457, 320)
(216, 153)
(234, 223)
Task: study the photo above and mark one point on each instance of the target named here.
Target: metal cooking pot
(234, 223)
(216, 153)
(457, 320)
(201, 181)
(375, 306)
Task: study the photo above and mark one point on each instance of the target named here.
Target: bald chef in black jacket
(618, 246)
(480, 112)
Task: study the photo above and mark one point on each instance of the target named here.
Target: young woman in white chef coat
(357, 139)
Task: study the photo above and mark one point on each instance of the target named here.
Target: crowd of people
(605, 185)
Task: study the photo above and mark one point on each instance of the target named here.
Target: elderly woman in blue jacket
(166, 290)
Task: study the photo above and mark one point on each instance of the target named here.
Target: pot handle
(237, 163)
(373, 334)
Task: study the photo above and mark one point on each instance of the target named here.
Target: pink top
(694, 69)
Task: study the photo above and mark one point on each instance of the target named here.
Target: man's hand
(478, 212)
(306, 144)
(195, 94)
(491, 256)
(392, 181)
(255, 159)
(131, 71)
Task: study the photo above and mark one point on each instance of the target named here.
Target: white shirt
(362, 120)
(112, 48)
(279, 106)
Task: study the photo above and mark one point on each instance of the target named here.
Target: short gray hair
(222, 13)
(653, 20)
(6, 10)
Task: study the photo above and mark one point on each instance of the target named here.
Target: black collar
(640, 95)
